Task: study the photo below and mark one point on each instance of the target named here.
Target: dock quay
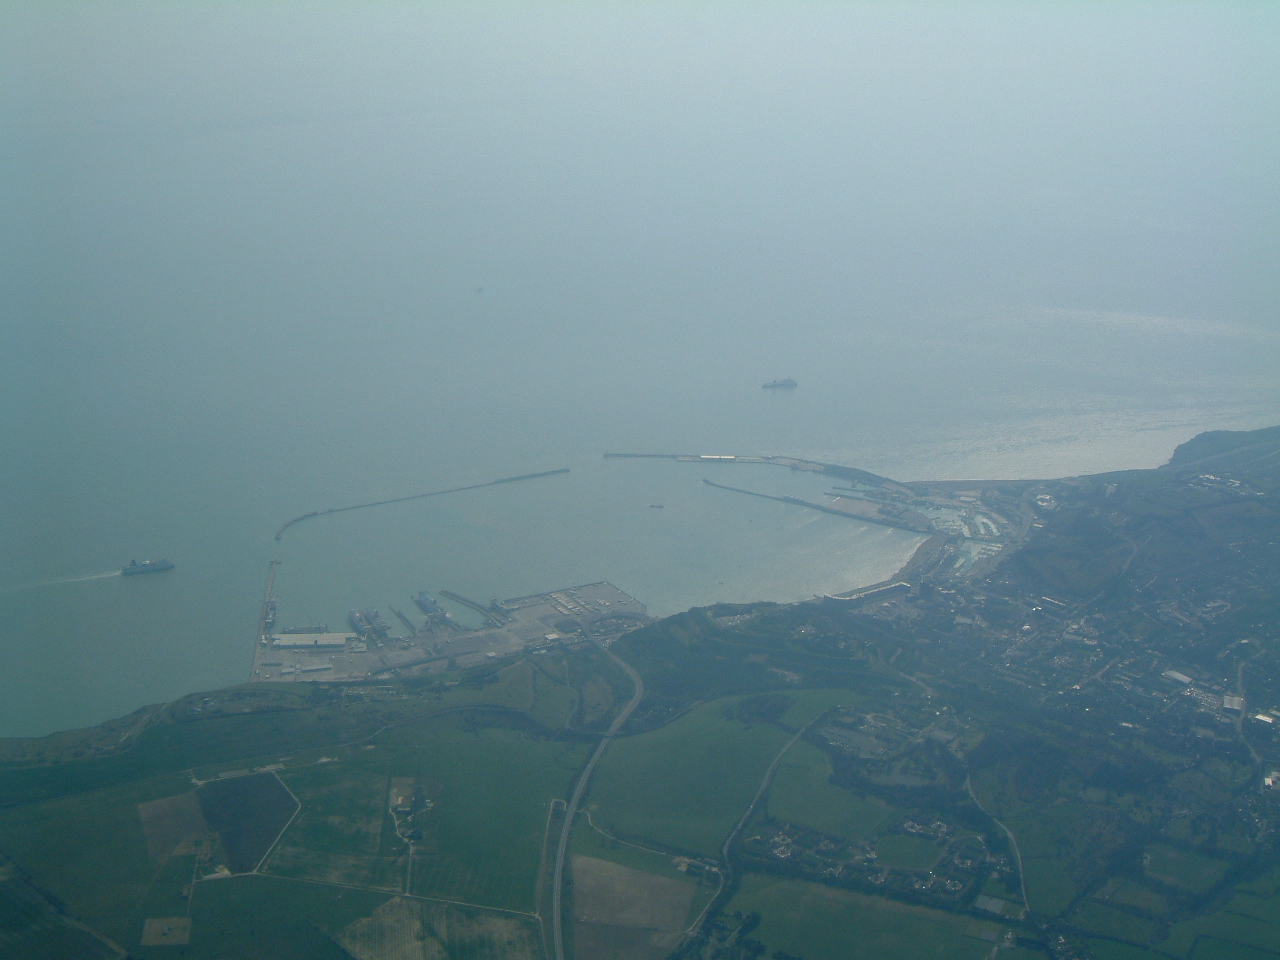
(519, 625)
(491, 615)
(406, 621)
(268, 613)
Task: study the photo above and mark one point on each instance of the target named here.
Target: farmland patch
(686, 784)
(406, 929)
(803, 794)
(248, 814)
(625, 914)
(171, 822)
(822, 923)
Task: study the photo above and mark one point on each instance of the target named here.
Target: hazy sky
(240, 205)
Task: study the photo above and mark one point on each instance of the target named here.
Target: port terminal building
(303, 641)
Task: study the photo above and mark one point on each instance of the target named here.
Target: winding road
(579, 788)
(764, 785)
(1022, 880)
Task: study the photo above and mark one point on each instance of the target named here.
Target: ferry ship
(145, 566)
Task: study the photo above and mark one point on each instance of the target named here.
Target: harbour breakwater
(797, 502)
(793, 463)
(416, 496)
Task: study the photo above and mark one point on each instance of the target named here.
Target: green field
(589, 842)
(1111, 950)
(490, 774)
(265, 918)
(89, 852)
(810, 703)
(1211, 949)
(1266, 909)
(802, 794)
(260, 918)
(490, 789)
(685, 785)
(907, 853)
(821, 923)
(1182, 868)
(337, 835)
(30, 929)
(1267, 885)
(1227, 927)
(1109, 922)
(1248, 927)
(1127, 893)
(1049, 838)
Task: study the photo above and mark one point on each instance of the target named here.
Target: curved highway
(579, 788)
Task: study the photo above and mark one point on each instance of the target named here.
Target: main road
(579, 788)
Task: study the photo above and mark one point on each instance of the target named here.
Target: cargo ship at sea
(145, 566)
(787, 384)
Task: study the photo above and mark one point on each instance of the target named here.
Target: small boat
(787, 384)
(145, 566)
(655, 506)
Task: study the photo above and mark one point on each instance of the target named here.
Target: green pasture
(1106, 921)
(1248, 927)
(906, 853)
(811, 703)
(265, 918)
(553, 703)
(588, 842)
(1183, 868)
(1114, 950)
(90, 852)
(823, 923)
(1020, 953)
(338, 832)
(522, 687)
(1266, 909)
(1267, 885)
(439, 931)
(31, 930)
(684, 785)
(1208, 948)
(297, 725)
(1049, 885)
(490, 788)
(1227, 927)
(803, 794)
(1004, 889)
(75, 827)
(1049, 838)
(190, 744)
(1125, 892)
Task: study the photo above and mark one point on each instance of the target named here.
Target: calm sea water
(81, 647)
(259, 261)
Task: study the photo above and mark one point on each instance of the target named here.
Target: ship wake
(59, 582)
